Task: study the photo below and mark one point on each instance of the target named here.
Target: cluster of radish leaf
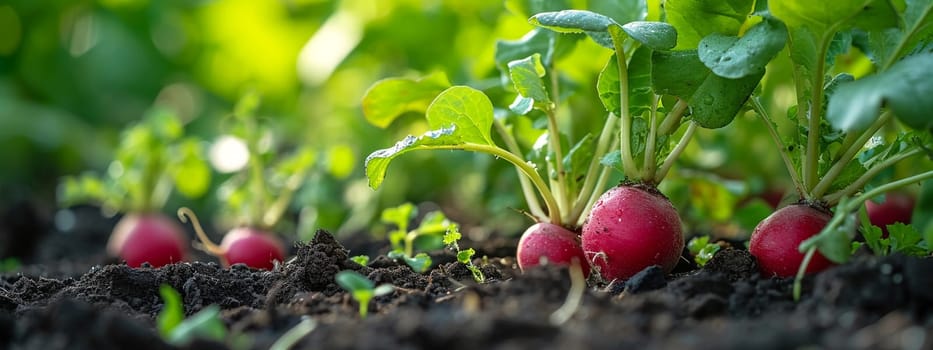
(153, 158)
(403, 241)
(649, 90)
(838, 149)
(258, 196)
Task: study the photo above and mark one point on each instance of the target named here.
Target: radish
(250, 246)
(775, 240)
(553, 243)
(152, 238)
(897, 207)
(629, 229)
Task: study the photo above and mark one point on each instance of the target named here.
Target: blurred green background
(73, 74)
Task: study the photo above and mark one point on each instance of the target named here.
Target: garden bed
(869, 303)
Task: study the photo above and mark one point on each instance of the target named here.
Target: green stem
(766, 119)
(597, 191)
(905, 39)
(675, 153)
(560, 188)
(589, 183)
(672, 119)
(802, 271)
(278, 207)
(847, 156)
(521, 164)
(811, 163)
(868, 175)
(625, 130)
(650, 164)
(534, 206)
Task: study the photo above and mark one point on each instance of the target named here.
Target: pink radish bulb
(553, 243)
(253, 247)
(897, 208)
(629, 229)
(150, 237)
(776, 239)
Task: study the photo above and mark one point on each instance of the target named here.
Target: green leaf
(360, 259)
(205, 324)
(613, 160)
(377, 163)
(434, 222)
(656, 35)
(421, 262)
(191, 173)
(577, 161)
(734, 58)
(819, 16)
(697, 243)
(452, 236)
(522, 105)
(353, 281)
(639, 74)
(621, 11)
(173, 310)
(905, 240)
(466, 109)
(696, 19)
(526, 74)
(465, 256)
(714, 101)
(399, 216)
(390, 98)
(548, 44)
(904, 89)
(572, 21)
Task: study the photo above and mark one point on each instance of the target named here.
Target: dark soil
(62, 300)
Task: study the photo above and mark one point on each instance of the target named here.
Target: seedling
(838, 147)
(360, 259)
(361, 288)
(656, 98)
(178, 331)
(257, 198)
(465, 257)
(702, 249)
(434, 224)
(153, 158)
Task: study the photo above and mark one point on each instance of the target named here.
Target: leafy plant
(434, 224)
(258, 197)
(179, 331)
(838, 146)
(9, 264)
(702, 249)
(360, 259)
(153, 158)
(361, 288)
(465, 257)
(656, 90)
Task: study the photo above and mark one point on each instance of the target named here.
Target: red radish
(897, 207)
(250, 246)
(775, 240)
(554, 243)
(152, 238)
(630, 229)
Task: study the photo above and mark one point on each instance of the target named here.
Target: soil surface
(65, 299)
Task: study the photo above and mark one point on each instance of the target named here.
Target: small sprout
(902, 238)
(360, 259)
(465, 257)
(702, 250)
(403, 240)
(176, 330)
(361, 288)
(294, 335)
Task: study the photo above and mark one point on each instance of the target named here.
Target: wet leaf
(390, 98)
(734, 58)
